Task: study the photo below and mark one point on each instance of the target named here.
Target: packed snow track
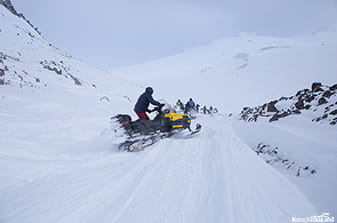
(212, 177)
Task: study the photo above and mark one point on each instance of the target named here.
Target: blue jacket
(191, 104)
(144, 101)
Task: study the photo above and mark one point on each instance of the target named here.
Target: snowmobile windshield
(166, 107)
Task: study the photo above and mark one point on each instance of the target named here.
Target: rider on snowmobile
(180, 105)
(143, 103)
(189, 105)
(144, 132)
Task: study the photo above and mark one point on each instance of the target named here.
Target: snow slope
(205, 179)
(302, 147)
(60, 163)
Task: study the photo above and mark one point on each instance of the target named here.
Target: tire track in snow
(212, 177)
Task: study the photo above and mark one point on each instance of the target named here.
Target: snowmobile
(143, 133)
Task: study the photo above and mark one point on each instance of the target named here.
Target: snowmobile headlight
(131, 148)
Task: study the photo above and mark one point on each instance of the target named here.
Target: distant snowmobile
(143, 133)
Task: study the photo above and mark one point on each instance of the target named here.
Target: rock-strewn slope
(320, 102)
(8, 4)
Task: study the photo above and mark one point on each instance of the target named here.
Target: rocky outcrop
(8, 4)
(273, 157)
(11, 75)
(60, 68)
(320, 100)
(2, 70)
(2, 76)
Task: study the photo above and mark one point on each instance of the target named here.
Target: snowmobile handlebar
(157, 108)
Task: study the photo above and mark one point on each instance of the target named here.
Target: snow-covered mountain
(60, 163)
(248, 70)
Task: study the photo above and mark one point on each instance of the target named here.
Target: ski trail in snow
(212, 177)
(136, 190)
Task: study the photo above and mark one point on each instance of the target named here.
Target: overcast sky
(112, 33)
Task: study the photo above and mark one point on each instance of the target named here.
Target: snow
(59, 161)
(307, 144)
(200, 180)
(236, 72)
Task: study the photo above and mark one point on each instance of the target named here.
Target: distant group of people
(210, 110)
(191, 106)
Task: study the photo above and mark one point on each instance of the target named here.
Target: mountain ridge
(8, 4)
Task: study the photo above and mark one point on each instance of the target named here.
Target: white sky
(112, 33)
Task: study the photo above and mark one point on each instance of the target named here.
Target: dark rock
(324, 116)
(278, 116)
(316, 86)
(333, 87)
(284, 114)
(307, 107)
(327, 94)
(2, 77)
(333, 123)
(77, 81)
(322, 101)
(310, 98)
(334, 112)
(104, 98)
(255, 118)
(296, 112)
(274, 118)
(59, 72)
(271, 107)
(264, 106)
(299, 93)
(299, 105)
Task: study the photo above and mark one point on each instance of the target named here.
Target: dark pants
(142, 115)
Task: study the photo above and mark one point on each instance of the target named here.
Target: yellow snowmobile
(142, 133)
